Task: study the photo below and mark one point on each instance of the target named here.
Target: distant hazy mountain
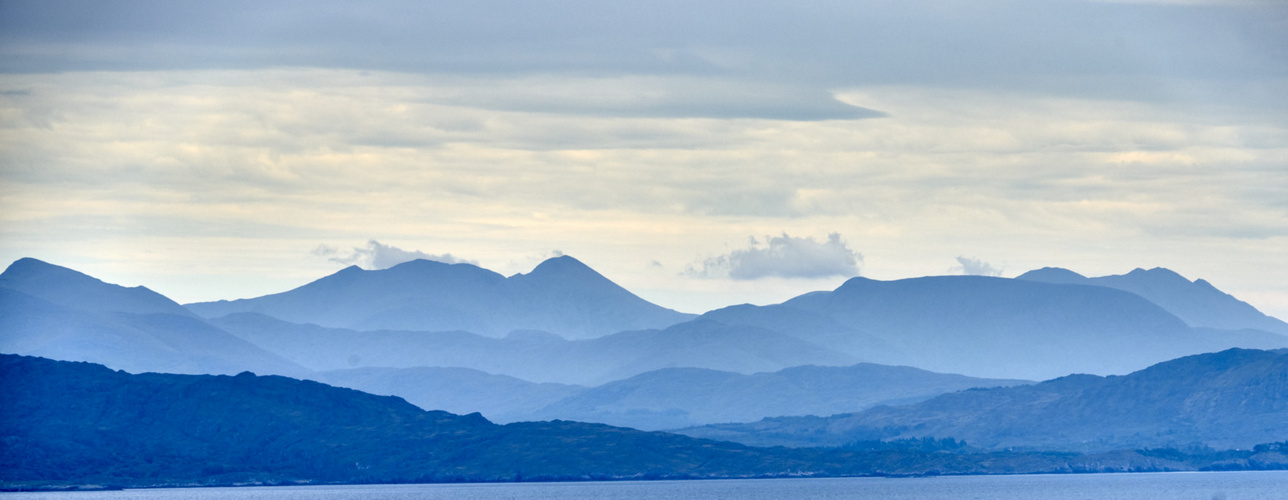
(813, 327)
(1231, 399)
(536, 356)
(561, 296)
(500, 398)
(1004, 328)
(55, 312)
(63, 286)
(1196, 302)
(679, 397)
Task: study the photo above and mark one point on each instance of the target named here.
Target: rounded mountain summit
(561, 296)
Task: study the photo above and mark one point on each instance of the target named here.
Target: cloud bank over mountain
(975, 267)
(377, 255)
(785, 257)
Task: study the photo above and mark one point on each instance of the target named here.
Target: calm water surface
(1162, 486)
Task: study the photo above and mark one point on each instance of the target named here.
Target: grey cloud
(377, 255)
(1070, 47)
(975, 267)
(657, 97)
(785, 257)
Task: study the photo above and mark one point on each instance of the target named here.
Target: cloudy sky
(699, 153)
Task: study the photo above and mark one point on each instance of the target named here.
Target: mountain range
(560, 296)
(564, 343)
(1027, 328)
(680, 397)
(1230, 399)
(662, 399)
(996, 327)
(536, 356)
(73, 423)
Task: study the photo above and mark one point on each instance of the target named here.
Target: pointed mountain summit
(561, 296)
(70, 288)
(1196, 302)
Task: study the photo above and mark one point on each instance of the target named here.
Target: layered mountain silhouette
(979, 326)
(1230, 399)
(561, 296)
(55, 312)
(679, 397)
(87, 422)
(662, 399)
(995, 327)
(500, 398)
(1196, 302)
(537, 356)
(66, 424)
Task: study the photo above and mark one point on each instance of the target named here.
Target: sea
(1261, 485)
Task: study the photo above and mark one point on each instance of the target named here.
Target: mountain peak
(561, 295)
(71, 288)
(1056, 275)
(563, 264)
(564, 271)
(1159, 274)
(27, 268)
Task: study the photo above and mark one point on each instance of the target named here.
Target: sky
(700, 154)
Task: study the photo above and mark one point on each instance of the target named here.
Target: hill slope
(536, 356)
(679, 397)
(500, 398)
(51, 311)
(1231, 399)
(561, 296)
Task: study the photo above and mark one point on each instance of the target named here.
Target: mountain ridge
(66, 424)
(561, 295)
(671, 398)
(1198, 302)
(1229, 399)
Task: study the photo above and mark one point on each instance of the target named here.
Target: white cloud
(975, 267)
(784, 257)
(377, 255)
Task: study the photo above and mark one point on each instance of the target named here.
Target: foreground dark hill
(76, 420)
(995, 327)
(1231, 399)
(561, 296)
(55, 312)
(1196, 302)
(680, 397)
(69, 423)
(536, 356)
